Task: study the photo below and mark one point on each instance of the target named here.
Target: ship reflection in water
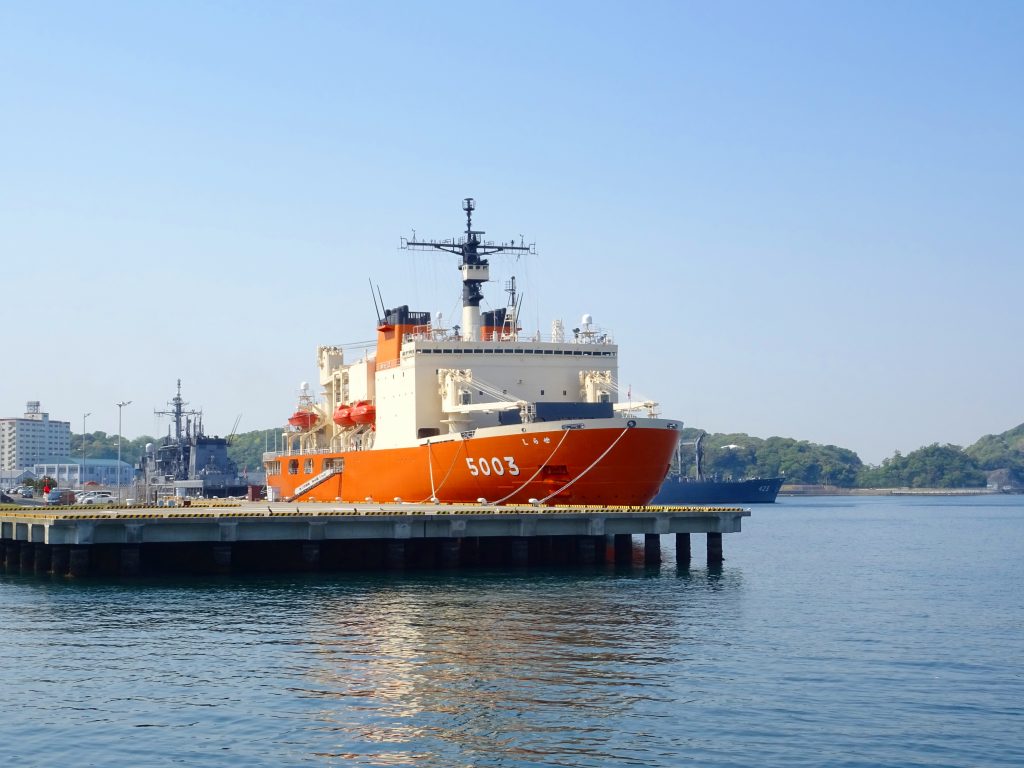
(456, 674)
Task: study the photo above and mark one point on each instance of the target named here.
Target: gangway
(315, 481)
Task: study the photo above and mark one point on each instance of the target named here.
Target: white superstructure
(424, 381)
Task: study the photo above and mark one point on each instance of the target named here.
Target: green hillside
(738, 455)
(1003, 452)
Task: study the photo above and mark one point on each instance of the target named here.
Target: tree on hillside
(100, 445)
(1001, 452)
(246, 449)
(735, 456)
(934, 466)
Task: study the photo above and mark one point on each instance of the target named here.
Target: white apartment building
(32, 439)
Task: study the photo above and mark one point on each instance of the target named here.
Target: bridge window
(293, 467)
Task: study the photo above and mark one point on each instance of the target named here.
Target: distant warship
(682, 490)
(187, 463)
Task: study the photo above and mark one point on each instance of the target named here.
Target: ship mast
(178, 405)
(475, 269)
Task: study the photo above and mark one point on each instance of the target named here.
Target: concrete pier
(261, 537)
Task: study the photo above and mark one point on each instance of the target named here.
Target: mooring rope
(585, 471)
(565, 434)
(433, 490)
(430, 469)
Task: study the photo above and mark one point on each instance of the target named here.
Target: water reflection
(559, 667)
(530, 666)
(876, 637)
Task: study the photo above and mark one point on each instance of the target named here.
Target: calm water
(857, 632)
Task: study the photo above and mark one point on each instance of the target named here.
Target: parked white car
(95, 497)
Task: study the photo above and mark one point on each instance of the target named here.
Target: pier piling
(469, 550)
(715, 548)
(623, 548)
(43, 558)
(518, 551)
(60, 556)
(448, 551)
(586, 551)
(28, 557)
(490, 550)
(311, 555)
(78, 562)
(222, 558)
(683, 549)
(394, 557)
(129, 561)
(652, 549)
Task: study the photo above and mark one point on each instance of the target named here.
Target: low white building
(68, 473)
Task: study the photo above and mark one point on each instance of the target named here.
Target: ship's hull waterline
(610, 462)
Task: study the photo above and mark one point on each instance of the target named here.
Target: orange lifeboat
(303, 419)
(343, 416)
(364, 412)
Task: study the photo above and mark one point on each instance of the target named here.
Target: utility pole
(81, 475)
(119, 405)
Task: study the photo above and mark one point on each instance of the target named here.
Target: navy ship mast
(475, 268)
(178, 404)
(189, 464)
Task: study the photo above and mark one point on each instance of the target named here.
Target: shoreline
(826, 490)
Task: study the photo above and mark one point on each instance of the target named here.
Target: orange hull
(614, 466)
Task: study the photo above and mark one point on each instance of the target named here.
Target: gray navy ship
(187, 463)
(683, 490)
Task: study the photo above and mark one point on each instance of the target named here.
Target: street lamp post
(81, 475)
(120, 405)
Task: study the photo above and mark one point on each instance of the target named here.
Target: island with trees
(994, 461)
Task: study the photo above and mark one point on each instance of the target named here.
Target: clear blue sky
(799, 219)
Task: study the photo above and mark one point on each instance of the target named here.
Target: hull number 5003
(492, 466)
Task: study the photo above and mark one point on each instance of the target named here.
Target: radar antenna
(474, 266)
